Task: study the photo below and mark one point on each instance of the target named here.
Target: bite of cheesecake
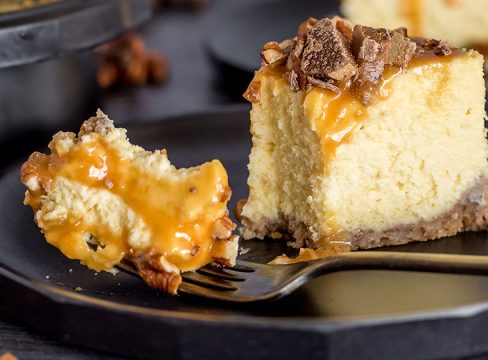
(364, 137)
(100, 199)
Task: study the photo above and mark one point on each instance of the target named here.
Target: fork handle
(384, 260)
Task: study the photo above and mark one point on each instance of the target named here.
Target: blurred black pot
(39, 99)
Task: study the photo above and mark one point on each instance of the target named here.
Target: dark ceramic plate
(350, 315)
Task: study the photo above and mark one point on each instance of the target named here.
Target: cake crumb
(243, 250)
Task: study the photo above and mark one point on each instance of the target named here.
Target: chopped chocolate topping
(402, 50)
(323, 84)
(332, 53)
(369, 44)
(365, 86)
(440, 48)
(401, 30)
(344, 27)
(326, 53)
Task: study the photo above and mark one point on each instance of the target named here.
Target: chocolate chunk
(401, 30)
(402, 50)
(369, 44)
(366, 83)
(326, 53)
(344, 27)
(323, 84)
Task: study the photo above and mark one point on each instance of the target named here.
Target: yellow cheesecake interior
(337, 170)
(100, 199)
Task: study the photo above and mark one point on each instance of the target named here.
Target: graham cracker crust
(469, 214)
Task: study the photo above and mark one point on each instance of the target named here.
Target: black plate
(60, 28)
(355, 314)
(249, 27)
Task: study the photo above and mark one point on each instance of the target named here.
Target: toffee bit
(193, 190)
(273, 57)
(253, 93)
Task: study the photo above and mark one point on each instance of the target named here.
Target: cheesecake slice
(363, 137)
(100, 199)
(463, 22)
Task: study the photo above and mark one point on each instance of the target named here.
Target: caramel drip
(180, 213)
(413, 11)
(334, 117)
(452, 3)
(329, 248)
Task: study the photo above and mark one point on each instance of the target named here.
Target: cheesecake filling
(99, 200)
(306, 121)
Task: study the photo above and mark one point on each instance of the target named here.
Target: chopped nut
(223, 228)
(238, 208)
(443, 49)
(273, 57)
(252, 93)
(100, 124)
(287, 45)
(126, 61)
(157, 272)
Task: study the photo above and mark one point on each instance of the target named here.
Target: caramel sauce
(413, 11)
(330, 248)
(452, 3)
(334, 117)
(180, 213)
